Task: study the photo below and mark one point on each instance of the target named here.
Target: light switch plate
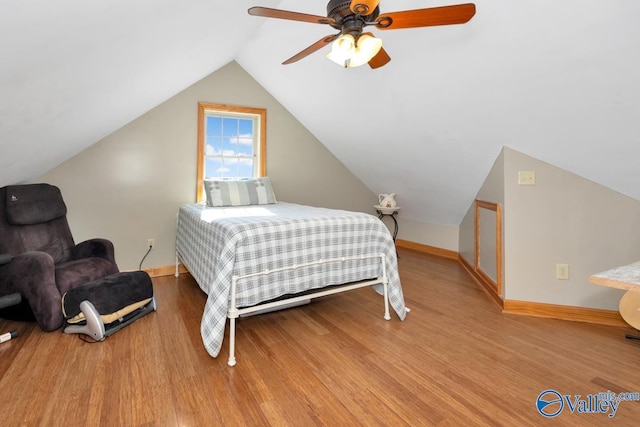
(527, 178)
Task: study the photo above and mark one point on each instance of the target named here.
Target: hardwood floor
(455, 361)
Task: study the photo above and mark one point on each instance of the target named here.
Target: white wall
(437, 235)
(564, 219)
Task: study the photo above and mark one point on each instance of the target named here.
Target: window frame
(261, 150)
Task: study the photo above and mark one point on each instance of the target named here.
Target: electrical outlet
(151, 243)
(562, 271)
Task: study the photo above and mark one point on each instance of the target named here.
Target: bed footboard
(234, 312)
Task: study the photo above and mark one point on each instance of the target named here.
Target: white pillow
(242, 192)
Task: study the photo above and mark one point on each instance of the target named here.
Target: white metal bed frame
(234, 312)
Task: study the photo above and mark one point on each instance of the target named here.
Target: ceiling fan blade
(363, 7)
(308, 51)
(444, 15)
(292, 16)
(381, 58)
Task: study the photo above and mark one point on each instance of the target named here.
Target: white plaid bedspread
(218, 243)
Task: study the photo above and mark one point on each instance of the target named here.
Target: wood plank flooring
(455, 361)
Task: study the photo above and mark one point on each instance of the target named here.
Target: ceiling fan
(351, 47)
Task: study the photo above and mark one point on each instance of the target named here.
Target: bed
(244, 256)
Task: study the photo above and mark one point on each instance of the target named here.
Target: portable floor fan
(351, 46)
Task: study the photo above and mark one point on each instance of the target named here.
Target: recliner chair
(46, 262)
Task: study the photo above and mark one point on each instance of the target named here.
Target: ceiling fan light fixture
(366, 48)
(346, 52)
(342, 49)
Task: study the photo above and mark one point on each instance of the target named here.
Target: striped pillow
(242, 192)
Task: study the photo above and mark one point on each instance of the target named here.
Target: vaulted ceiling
(557, 80)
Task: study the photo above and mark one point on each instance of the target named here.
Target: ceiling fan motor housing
(345, 20)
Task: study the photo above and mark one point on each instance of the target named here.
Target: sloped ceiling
(73, 71)
(555, 80)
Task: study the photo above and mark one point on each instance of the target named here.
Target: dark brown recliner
(46, 262)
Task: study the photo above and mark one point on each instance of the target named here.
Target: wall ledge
(481, 281)
(564, 312)
(165, 270)
(431, 250)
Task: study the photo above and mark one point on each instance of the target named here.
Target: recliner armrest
(32, 274)
(101, 248)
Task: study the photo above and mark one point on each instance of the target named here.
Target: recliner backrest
(33, 218)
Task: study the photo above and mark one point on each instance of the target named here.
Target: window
(231, 143)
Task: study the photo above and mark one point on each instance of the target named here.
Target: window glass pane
(214, 146)
(245, 150)
(229, 126)
(230, 167)
(225, 148)
(214, 125)
(232, 147)
(212, 167)
(226, 171)
(245, 169)
(245, 127)
(231, 141)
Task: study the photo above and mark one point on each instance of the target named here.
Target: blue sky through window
(229, 147)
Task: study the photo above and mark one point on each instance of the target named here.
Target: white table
(626, 277)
